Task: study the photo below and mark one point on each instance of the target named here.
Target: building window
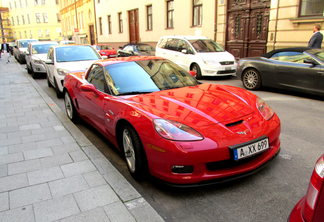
(58, 16)
(17, 20)
(196, 13)
(57, 2)
(100, 25)
(25, 34)
(23, 19)
(12, 21)
(10, 5)
(40, 33)
(311, 8)
(47, 33)
(20, 4)
(36, 2)
(170, 10)
(26, 3)
(38, 17)
(28, 19)
(45, 18)
(149, 18)
(30, 34)
(43, 2)
(120, 22)
(109, 24)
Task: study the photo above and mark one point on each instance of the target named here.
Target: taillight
(314, 189)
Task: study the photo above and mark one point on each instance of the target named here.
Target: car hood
(200, 105)
(216, 56)
(73, 66)
(40, 57)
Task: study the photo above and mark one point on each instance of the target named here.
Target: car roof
(295, 49)
(188, 37)
(116, 60)
(26, 39)
(69, 45)
(43, 42)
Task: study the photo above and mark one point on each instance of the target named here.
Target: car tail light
(314, 192)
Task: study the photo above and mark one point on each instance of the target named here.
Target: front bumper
(38, 68)
(220, 70)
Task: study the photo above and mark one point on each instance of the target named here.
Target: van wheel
(196, 68)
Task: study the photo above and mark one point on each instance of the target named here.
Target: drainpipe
(215, 23)
(95, 18)
(276, 26)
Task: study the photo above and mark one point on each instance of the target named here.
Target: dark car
(297, 69)
(311, 207)
(139, 49)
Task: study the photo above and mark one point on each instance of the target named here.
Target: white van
(197, 53)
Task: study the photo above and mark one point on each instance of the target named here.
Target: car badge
(242, 132)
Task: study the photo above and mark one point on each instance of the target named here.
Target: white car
(62, 59)
(197, 53)
(36, 55)
(20, 49)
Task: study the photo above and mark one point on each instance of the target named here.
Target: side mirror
(184, 51)
(310, 61)
(192, 73)
(88, 88)
(49, 62)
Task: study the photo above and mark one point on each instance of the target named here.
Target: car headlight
(173, 130)
(264, 109)
(62, 72)
(210, 61)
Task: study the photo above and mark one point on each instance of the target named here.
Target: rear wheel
(134, 153)
(70, 108)
(28, 69)
(195, 67)
(251, 79)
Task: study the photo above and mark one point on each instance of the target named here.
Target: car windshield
(147, 76)
(145, 48)
(24, 43)
(42, 49)
(206, 45)
(75, 53)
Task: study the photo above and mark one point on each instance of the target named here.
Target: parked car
(105, 50)
(61, 59)
(36, 55)
(297, 69)
(198, 53)
(169, 124)
(139, 49)
(20, 49)
(311, 207)
(66, 42)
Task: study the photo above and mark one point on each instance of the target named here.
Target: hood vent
(234, 123)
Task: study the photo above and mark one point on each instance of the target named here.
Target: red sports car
(311, 207)
(105, 50)
(171, 125)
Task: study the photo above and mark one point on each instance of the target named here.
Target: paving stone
(11, 141)
(33, 138)
(16, 134)
(94, 179)
(121, 186)
(92, 152)
(66, 148)
(11, 158)
(55, 209)
(24, 166)
(78, 155)
(13, 182)
(4, 201)
(95, 197)
(49, 142)
(45, 175)
(29, 126)
(142, 211)
(38, 153)
(21, 147)
(29, 195)
(4, 150)
(42, 131)
(59, 128)
(117, 212)
(97, 215)
(103, 165)
(3, 170)
(68, 185)
(22, 214)
(78, 168)
(56, 160)
(67, 139)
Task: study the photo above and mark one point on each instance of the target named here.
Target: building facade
(34, 19)
(78, 20)
(5, 27)
(243, 27)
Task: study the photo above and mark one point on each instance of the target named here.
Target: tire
(33, 74)
(251, 79)
(57, 90)
(28, 69)
(134, 153)
(49, 84)
(70, 108)
(195, 67)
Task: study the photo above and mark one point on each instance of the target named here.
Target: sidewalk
(49, 171)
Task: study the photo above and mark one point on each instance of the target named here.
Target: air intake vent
(234, 123)
(227, 63)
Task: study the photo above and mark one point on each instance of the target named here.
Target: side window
(288, 56)
(172, 44)
(50, 54)
(129, 48)
(96, 77)
(162, 43)
(184, 45)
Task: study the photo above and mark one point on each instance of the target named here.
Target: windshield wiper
(133, 93)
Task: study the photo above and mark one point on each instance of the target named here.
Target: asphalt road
(268, 195)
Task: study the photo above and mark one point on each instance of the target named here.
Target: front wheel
(196, 68)
(134, 153)
(69, 108)
(251, 79)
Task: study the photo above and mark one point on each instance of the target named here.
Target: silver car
(36, 55)
(20, 49)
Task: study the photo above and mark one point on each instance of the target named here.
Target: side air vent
(234, 123)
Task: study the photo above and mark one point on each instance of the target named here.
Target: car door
(28, 55)
(293, 73)
(171, 50)
(92, 102)
(50, 67)
(183, 55)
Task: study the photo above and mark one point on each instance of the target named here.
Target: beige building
(244, 27)
(36, 19)
(5, 27)
(78, 20)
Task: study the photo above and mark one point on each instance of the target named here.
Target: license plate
(251, 149)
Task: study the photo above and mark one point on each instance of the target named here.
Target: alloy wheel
(129, 150)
